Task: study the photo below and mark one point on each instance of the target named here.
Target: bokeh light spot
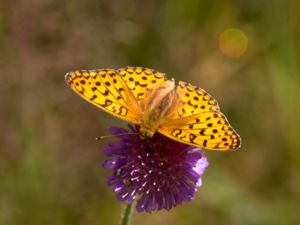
(233, 42)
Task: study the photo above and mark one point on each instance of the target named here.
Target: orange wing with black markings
(107, 90)
(207, 130)
(199, 122)
(140, 80)
(194, 100)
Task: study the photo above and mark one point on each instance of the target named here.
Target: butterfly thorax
(160, 107)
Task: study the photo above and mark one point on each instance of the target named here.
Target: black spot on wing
(192, 138)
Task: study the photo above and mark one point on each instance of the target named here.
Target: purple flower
(157, 172)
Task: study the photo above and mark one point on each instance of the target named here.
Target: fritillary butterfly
(146, 97)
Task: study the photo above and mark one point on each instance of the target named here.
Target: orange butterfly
(145, 97)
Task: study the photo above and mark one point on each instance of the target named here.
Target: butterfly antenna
(113, 136)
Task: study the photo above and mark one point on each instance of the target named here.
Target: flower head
(158, 172)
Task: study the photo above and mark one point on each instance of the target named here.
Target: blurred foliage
(50, 165)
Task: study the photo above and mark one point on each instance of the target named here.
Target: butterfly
(143, 96)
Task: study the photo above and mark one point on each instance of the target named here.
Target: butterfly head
(146, 132)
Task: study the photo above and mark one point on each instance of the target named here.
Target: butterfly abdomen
(161, 103)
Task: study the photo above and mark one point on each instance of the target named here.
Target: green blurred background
(50, 164)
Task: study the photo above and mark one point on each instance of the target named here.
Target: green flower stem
(126, 216)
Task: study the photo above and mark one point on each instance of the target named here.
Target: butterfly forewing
(107, 90)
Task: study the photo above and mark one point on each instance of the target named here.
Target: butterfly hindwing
(107, 90)
(208, 130)
(140, 80)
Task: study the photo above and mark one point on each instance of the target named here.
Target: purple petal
(159, 172)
